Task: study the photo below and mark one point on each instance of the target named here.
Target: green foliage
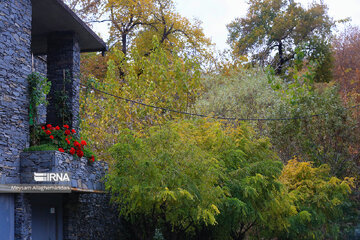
(321, 52)
(256, 198)
(191, 177)
(187, 179)
(39, 87)
(155, 79)
(319, 199)
(243, 93)
(88, 153)
(168, 178)
(328, 138)
(42, 147)
(61, 139)
(279, 26)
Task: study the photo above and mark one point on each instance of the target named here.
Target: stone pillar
(63, 70)
(15, 66)
(22, 217)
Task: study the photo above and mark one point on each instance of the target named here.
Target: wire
(208, 116)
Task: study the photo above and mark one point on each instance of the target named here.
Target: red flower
(43, 127)
(61, 150)
(66, 126)
(47, 132)
(83, 142)
(48, 126)
(80, 153)
(73, 131)
(57, 128)
(72, 151)
(77, 144)
(67, 132)
(92, 158)
(67, 140)
(51, 136)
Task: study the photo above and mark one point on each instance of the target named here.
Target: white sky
(216, 14)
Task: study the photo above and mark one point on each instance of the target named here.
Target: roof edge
(83, 24)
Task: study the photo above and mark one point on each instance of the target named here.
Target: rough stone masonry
(15, 66)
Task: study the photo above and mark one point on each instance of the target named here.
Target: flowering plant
(65, 140)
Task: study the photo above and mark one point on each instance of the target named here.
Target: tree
(178, 177)
(277, 27)
(239, 93)
(255, 196)
(126, 18)
(319, 198)
(87, 9)
(347, 63)
(173, 31)
(135, 23)
(202, 179)
(153, 80)
(329, 138)
(167, 178)
(93, 65)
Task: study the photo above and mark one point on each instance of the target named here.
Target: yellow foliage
(309, 184)
(154, 80)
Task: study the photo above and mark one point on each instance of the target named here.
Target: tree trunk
(124, 43)
(124, 50)
(281, 59)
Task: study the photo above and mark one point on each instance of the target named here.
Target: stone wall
(40, 66)
(63, 70)
(90, 216)
(22, 217)
(15, 66)
(83, 175)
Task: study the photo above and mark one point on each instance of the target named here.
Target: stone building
(46, 36)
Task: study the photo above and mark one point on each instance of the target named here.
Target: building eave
(55, 16)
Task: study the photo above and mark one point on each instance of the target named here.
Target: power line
(208, 116)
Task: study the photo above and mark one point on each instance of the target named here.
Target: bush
(177, 176)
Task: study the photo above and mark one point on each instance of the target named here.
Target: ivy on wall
(39, 87)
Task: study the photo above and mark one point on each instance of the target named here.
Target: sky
(216, 14)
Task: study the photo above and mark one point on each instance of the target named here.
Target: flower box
(82, 175)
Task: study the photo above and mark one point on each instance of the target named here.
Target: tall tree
(135, 22)
(272, 29)
(176, 177)
(347, 63)
(170, 83)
